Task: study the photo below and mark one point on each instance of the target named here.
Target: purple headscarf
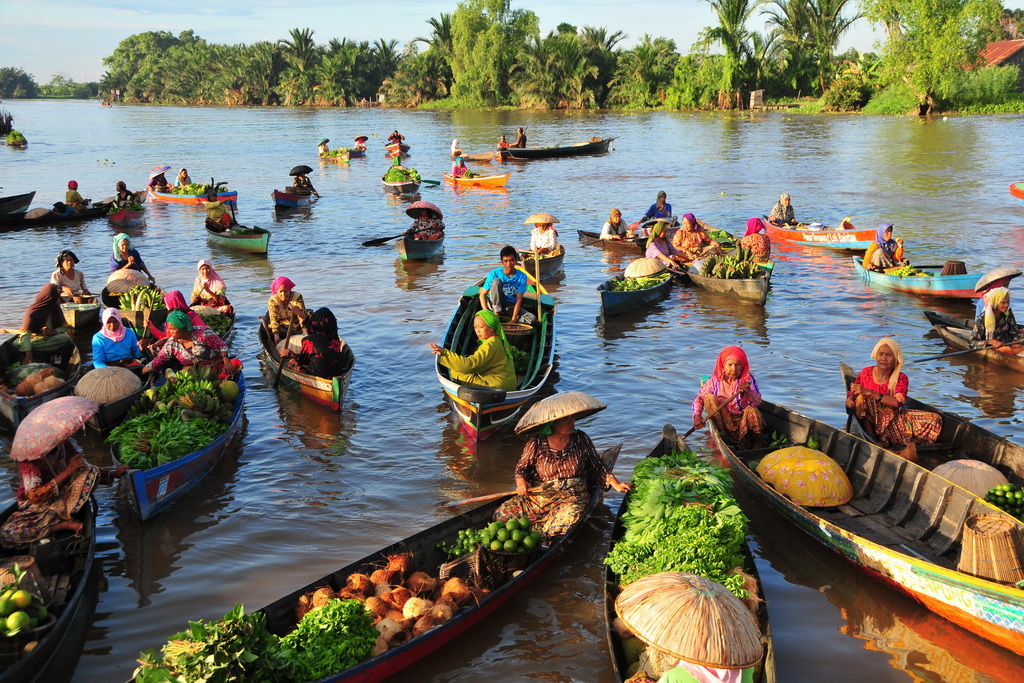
(888, 246)
(693, 221)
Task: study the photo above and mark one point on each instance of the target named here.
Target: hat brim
(540, 218)
(1008, 272)
(574, 404)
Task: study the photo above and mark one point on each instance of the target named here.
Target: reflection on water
(410, 275)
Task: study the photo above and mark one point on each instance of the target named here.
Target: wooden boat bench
(545, 299)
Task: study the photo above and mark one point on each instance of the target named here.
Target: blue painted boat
(934, 284)
(289, 200)
(615, 303)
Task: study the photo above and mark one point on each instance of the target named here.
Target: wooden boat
(125, 219)
(393, 147)
(231, 197)
(958, 336)
(479, 180)
(615, 303)
(21, 221)
(427, 558)
(904, 526)
(550, 264)
(753, 290)
(1017, 190)
(154, 490)
(130, 317)
(252, 240)
(633, 245)
(70, 574)
(485, 157)
(574, 150)
(16, 204)
(356, 153)
(409, 187)
(934, 284)
(418, 250)
(851, 240)
(14, 409)
(327, 391)
(81, 316)
(482, 411)
(765, 672)
(290, 200)
(960, 439)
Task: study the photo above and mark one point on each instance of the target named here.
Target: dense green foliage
(329, 639)
(634, 284)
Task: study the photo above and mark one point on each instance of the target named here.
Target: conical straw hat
(693, 618)
(575, 404)
(540, 218)
(644, 267)
(977, 477)
(996, 274)
(808, 477)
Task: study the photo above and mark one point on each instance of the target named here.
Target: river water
(308, 491)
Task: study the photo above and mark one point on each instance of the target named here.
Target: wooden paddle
(536, 270)
(280, 358)
(381, 240)
(715, 412)
(947, 355)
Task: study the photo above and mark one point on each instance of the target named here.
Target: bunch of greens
(191, 188)
(520, 359)
(337, 152)
(15, 138)
(236, 648)
(401, 175)
(160, 437)
(140, 297)
(329, 639)
(220, 324)
(634, 284)
(681, 517)
(129, 206)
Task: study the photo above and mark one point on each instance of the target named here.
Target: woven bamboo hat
(540, 218)
(573, 404)
(808, 477)
(692, 618)
(644, 267)
(977, 477)
(996, 274)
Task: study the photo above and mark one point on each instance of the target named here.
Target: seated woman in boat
(456, 150)
(126, 257)
(218, 214)
(427, 223)
(740, 421)
(70, 280)
(321, 354)
(993, 279)
(491, 365)
(322, 149)
(782, 213)
(879, 396)
(659, 209)
(562, 461)
(692, 241)
(43, 328)
(73, 199)
(395, 137)
(174, 300)
(502, 143)
(123, 196)
(303, 186)
(63, 210)
(756, 240)
(209, 289)
(285, 305)
(660, 248)
(884, 252)
(615, 229)
(543, 237)
(189, 345)
(460, 170)
(159, 183)
(183, 178)
(997, 327)
(361, 143)
(520, 142)
(53, 489)
(115, 343)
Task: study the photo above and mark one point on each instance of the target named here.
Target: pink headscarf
(175, 301)
(709, 674)
(754, 226)
(732, 353)
(214, 282)
(281, 282)
(109, 313)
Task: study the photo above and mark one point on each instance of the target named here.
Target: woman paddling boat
(731, 381)
(427, 223)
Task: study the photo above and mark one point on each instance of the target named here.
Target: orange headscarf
(732, 353)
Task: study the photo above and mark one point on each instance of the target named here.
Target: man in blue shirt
(504, 287)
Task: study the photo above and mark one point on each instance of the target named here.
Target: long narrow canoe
(125, 219)
(13, 408)
(226, 196)
(550, 264)
(483, 157)
(934, 284)
(409, 187)
(253, 240)
(427, 558)
(290, 200)
(479, 181)
(851, 240)
(958, 336)
(154, 490)
(1017, 190)
(615, 303)
(327, 391)
(904, 526)
(356, 153)
(81, 317)
(960, 439)
(482, 411)
(16, 204)
(22, 221)
(752, 290)
(559, 151)
(71, 576)
(632, 245)
(418, 250)
(670, 442)
(113, 413)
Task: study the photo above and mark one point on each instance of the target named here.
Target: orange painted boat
(479, 180)
(1017, 190)
(852, 240)
(154, 196)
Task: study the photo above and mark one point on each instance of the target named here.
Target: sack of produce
(121, 281)
(104, 385)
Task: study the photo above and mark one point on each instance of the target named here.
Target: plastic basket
(32, 581)
(498, 566)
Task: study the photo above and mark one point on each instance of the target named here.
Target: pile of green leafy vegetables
(402, 175)
(329, 639)
(217, 322)
(634, 284)
(681, 517)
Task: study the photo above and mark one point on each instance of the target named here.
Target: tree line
(487, 53)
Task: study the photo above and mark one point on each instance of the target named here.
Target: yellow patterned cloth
(808, 477)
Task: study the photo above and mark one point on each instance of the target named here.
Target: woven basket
(33, 579)
(992, 549)
(954, 268)
(497, 566)
(519, 335)
(466, 568)
(12, 648)
(84, 299)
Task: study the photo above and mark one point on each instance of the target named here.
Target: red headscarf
(175, 301)
(72, 184)
(754, 226)
(732, 353)
(280, 282)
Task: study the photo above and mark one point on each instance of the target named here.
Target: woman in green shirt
(491, 365)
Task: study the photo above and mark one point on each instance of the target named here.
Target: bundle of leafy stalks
(634, 284)
(140, 297)
(739, 265)
(681, 517)
(220, 324)
(400, 175)
(130, 206)
(192, 188)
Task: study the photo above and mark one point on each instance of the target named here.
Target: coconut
(388, 629)
(441, 612)
(416, 607)
(401, 563)
(361, 583)
(448, 601)
(421, 583)
(458, 590)
(379, 647)
(347, 593)
(388, 576)
(377, 607)
(305, 604)
(321, 596)
(398, 597)
(424, 624)
(382, 588)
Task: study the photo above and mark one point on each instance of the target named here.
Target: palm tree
(303, 56)
(599, 46)
(735, 39)
(827, 26)
(645, 72)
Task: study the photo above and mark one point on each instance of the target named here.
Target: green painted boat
(253, 240)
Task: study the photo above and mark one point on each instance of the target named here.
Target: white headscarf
(894, 347)
(455, 146)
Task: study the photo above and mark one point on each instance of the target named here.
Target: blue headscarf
(888, 246)
(118, 238)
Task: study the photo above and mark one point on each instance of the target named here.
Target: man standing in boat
(504, 288)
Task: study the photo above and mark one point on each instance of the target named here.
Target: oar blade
(380, 240)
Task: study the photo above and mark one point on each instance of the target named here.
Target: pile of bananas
(193, 391)
(140, 297)
(738, 265)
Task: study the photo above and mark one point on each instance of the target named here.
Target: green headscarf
(118, 238)
(658, 228)
(492, 321)
(180, 320)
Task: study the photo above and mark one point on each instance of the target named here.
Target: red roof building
(1006, 53)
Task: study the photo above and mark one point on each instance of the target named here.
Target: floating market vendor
(283, 306)
(543, 237)
(209, 289)
(491, 365)
(740, 421)
(504, 288)
(755, 238)
(502, 143)
(879, 396)
(692, 241)
(123, 196)
(174, 300)
(361, 143)
(782, 213)
(427, 223)
(218, 213)
(395, 137)
(183, 178)
(660, 248)
(322, 149)
(126, 257)
(659, 209)
(997, 327)
(115, 343)
(456, 150)
(520, 142)
(189, 345)
(70, 280)
(997, 277)
(615, 229)
(460, 170)
(562, 461)
(73, 199)
(43, 327)
(321, 352)
(884, 252)
(303, 185)
(158, 182)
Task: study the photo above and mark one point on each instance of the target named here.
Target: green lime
(518, 535)
(6, 607)
(497, 545)
(510, 546)
(494, 526)
(512, 524)
(502, 535)
(529, 543)
(1019, 495)
(524, 524)
(535, 535)
(17, 622)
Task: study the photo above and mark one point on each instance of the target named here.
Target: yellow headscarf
(894, 347)
(656, 230)
(993, 298)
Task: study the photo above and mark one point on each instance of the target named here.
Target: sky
(47, 37)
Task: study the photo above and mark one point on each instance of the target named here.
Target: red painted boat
(1017, 190)
(853, 240)
(290, 200)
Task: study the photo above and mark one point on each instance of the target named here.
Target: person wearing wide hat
(56, 481)
(361, 142)
(322, 149)
(997, 277)
(301, 182)
(561, 462)
(157, 179)
(427, 223)
(504, 287)
(701, 631)
(543, 237)
(70, 280)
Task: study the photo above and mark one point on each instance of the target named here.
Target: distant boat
(15, 204)
(574, 150)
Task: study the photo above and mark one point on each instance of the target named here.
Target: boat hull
(288, 200)
(960, 338)
(113, 413)
(126, 219)
(851, 240)
(81, 316)
(549, 265)
(327, 391)
(634, 245)
(19, 221)
(558, 152)
(418, 250)
(617, 303)
(401, 188)
(936, 285)
(14, 409)
(254, 243)
(230, 197)
(754, 290)
(478, 181)
(16, 204)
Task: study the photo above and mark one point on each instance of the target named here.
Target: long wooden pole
(715, 412)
